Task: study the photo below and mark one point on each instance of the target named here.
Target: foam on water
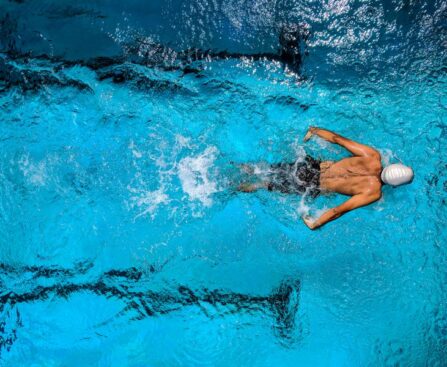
(388, 156)
(148, 201)
(195, 176)
(34, 172)
(303, 208)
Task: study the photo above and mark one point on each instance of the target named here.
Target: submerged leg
(252, 187)
(246, 168)
(254, 177)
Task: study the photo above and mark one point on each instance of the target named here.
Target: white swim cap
(396, 174)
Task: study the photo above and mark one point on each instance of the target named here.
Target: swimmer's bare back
(357, 176)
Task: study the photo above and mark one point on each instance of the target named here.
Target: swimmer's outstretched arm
(354, 202)
(355, 148)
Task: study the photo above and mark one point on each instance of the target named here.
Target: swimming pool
(122, 241)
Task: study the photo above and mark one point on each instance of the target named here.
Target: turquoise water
(123, 242)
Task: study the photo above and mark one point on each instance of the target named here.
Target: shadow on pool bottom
(127, 285)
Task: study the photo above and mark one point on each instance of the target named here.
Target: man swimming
(360, 176)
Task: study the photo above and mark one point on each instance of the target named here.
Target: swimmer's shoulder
(373, 189)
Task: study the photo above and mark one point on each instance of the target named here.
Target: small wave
(33, 78)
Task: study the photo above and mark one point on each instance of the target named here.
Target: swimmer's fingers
(308, 221)
(308, 135)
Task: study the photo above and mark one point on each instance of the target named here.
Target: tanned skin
(357, 176)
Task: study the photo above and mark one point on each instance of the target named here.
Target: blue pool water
(122, 240)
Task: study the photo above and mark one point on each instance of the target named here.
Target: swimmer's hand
(309, 222)
(310, 133)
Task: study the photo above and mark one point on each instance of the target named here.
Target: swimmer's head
(397, 174)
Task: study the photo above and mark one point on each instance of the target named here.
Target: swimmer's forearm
(325, 134)
(355, 148)
(328, 216)
(354, 202)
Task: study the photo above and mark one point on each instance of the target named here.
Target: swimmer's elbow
(375, 196)
(373, 153)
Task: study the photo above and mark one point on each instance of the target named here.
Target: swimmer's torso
(351, 176)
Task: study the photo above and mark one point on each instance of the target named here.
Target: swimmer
(360, 176)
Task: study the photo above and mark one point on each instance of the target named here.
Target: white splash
(35, 173)
(387, 155)
(260, 169)
(303, 209)
(300, 152)
(133, 148)
(148, 200)
(319, 212)
(195, 178)
(182, 141)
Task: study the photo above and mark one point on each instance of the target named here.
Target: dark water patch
(131, 286)
(9, 324)
(219, 85)
(8, 33)
(131, 273)
(288, 101)
(191, 70)
(101, 62)
(34, 80)
(292, 40)
(140, 81)
(44, 271)
(70, 11)
(140, 50)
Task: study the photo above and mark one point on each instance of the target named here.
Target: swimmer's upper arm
(355, 148)
(354, 202)
(357, 201)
